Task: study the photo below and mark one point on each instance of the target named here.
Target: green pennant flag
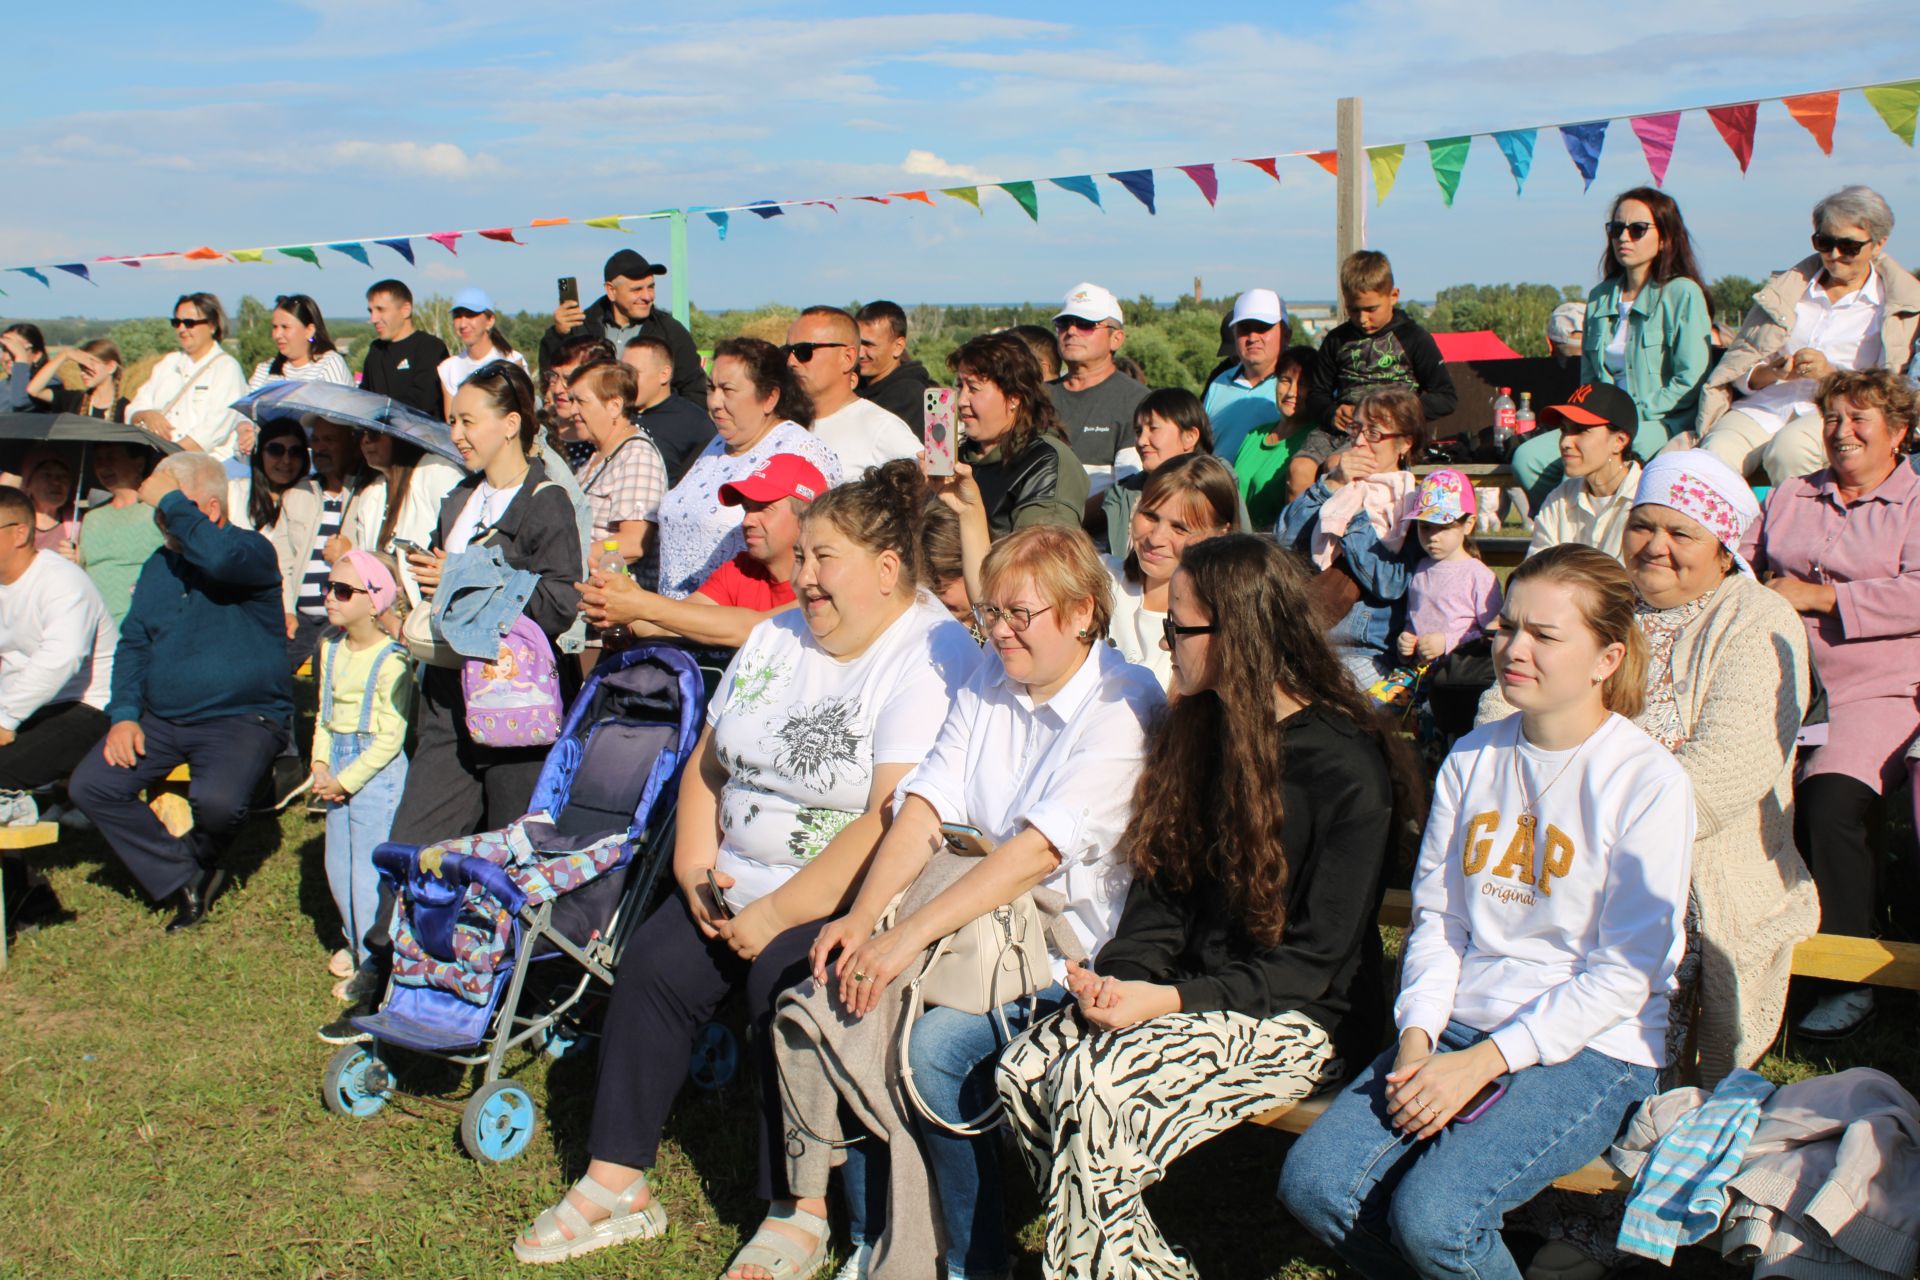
(304, 252)
(1024, 193)
(609, 223)
(249, 255)
(1386, 168)
(1449, 157)
(969, 194)
(1897, 104)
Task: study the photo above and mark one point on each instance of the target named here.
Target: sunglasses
(343, 593)
(181, 322)
(1063, 323)
(1824, 243)
(803, 351)
(1634, 231)
(1171, 631)
(1245, 327)
(1017, 617)
(283, 449)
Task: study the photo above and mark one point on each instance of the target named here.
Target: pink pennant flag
(1269, 165)
(875, 199)
(445, 240)
(1656, 134)
(830, 204)
(125, 262)
(502, 234)
(1736, 125)
(1203, 178)
(921, 196)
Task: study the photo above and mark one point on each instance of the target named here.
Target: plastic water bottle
(612, 562)
(1503, 416)
(1523, 419)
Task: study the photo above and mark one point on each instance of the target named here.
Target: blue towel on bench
(1681, 1191)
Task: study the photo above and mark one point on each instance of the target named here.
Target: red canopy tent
(1480, 344)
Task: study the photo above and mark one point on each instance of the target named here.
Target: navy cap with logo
(1597, 404)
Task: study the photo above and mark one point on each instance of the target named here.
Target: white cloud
(928, 165)
(434, 159)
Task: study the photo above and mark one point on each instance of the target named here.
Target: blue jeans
(353, 829)
(1393, 1208)
(953, 1058)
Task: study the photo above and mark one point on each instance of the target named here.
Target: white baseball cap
(1567, 319)
(1263, 305)
(1090, 302)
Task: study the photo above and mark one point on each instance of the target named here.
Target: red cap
(784, 475)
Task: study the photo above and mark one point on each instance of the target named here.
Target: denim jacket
(479, 597)
(1667, 349)
(538, 533)
(1380, 613)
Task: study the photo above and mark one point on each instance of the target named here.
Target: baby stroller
(564, 883)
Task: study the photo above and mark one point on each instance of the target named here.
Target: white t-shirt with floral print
(800, 732)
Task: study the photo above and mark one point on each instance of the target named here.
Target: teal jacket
(1667, 352)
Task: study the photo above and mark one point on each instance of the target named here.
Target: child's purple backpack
(514, 701)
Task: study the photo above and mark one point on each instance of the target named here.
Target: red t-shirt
(744, 583)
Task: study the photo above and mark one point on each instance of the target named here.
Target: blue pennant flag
(1080, 186)
(353, 249)
(1517, 146)
(1139, 182)
(765, 209)
(400, 245)
(31, 274)
(1583, 144)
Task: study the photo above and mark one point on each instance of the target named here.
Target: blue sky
(136, 128)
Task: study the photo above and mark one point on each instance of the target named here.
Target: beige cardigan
(1740, 677)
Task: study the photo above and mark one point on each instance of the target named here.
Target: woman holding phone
(1548, 909)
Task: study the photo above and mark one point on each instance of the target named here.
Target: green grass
(160, 1115)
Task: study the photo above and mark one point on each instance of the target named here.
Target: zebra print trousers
(1100, 1115)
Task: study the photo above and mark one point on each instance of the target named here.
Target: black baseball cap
(1597, 404)
(632, 265)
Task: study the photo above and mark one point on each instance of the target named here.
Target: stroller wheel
(355, 1083)
(497, 1122)
(716, 1056)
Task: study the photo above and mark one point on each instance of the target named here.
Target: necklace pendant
(1523, 829)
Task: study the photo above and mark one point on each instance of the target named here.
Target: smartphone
(967, 841)
(405, 548)
(1477, 1105)
(570, 290)
(940, 431)
(719, 895)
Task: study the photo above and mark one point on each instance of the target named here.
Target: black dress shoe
(196, 898)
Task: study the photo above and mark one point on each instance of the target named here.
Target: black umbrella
(73, 428)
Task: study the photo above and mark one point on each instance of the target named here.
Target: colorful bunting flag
(1656, 134)
(1583, 144)
(76, 269)
(550, 222)
(1024, 195)
(1897, 104)
(766, 209)
(1139, 182)
(1269, 165)
(1204, 178)
(249, 255)
(1736, 125)
(717, 217)
(304, 252)
(1448, 156)
(871, 199)
(445, 240)
(831, 205)
(204, 253)
(971, 195)
(1385, 162)
(921, 196)
(1328, 160)
(31, 274)
(1816, 112)
(125, 262)
(611, 222)
(1080, 185)
(502, 234)
(400, 245)
(353, 249)
(1517, 146)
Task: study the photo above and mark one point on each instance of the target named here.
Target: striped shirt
(312, 601)
(328, 366)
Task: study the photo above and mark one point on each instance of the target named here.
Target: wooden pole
(677, 267)
(1350, 208)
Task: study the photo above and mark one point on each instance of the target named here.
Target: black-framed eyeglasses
(184, 322)
(1634, 231)
(343, 592)
(1824, 243)
(803, 351)
(1017, 617)
(1171, 631)
(283, 449)
(1063, 323)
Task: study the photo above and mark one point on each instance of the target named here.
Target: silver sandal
(623, 1223)
(779, 1254)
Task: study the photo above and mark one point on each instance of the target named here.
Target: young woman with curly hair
(1246, 964)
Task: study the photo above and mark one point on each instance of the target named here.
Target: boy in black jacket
(1377, 347)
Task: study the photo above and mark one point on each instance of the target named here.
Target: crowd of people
(1127, 672)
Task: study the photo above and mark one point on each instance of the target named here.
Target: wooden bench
(1862, 960)
(168, 800)
(37, 836)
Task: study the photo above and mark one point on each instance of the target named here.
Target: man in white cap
(1241, 399)
(1094, 399)
(1566, 329)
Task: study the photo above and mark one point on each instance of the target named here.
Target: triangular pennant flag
(1816, 112)
(445, 240)
(31, 274)
(1656, 134)
(836, 208)
(921, 196)
(1897, 104)
(249, 255)
(76, 269)
(400, 245)
(1139, 182)
(304, 252)
(1024, 195)
(125, 262)
(1269, 165)
(1517, 146)
(609, 223)
(353, 249)
(1203, 178)
(1385, 162)
(550, 222)
(1080, 185)
(1328, 160)
(873, 199)
(766, 209)
(1583, 144)
(970, 195)
(1736, 125)
(502, 234)
(1448, 157)
(716, 217)
(203, 254)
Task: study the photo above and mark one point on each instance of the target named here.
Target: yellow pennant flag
(249, 255)
(610, 223)
(1386, 168)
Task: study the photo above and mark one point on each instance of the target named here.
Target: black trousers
(670, 982)
(48, 744)
(1834, 821)
(227, 757)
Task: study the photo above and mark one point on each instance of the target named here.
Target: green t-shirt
(115, 543)
(1262, 469)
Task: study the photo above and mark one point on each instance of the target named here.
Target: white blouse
(1136, 630)
(698, 534)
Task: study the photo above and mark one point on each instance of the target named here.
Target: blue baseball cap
(473, 299)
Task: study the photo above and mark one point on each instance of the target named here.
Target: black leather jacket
(1035, 478)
